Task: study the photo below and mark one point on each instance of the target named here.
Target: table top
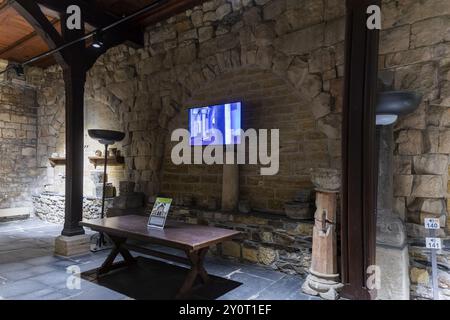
(175, 234)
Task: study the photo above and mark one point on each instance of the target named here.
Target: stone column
(392, 256)
(323, 279)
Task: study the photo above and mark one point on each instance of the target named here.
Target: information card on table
(159, 213)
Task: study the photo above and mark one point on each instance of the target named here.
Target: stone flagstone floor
(29, 270)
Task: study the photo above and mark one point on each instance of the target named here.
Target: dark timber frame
(75, 61)
(358, 222)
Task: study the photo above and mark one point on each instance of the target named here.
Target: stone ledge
(11, 214)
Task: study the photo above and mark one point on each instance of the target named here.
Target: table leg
(119, 247)
(196, 259)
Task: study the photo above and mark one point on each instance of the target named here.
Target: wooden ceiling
(19, 42)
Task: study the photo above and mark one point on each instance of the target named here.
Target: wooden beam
(98, 18)
(74, 80)
(22, 40)
(359, 174)
(31, 12)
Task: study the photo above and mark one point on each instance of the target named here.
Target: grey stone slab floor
(29, 270)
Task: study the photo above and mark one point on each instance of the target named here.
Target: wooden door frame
(359, 161)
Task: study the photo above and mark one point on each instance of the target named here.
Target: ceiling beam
(97, 18)
(25, 39)
(31, 12)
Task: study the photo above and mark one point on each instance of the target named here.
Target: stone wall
(268, 103)
(297, 43)
(270, 240)
(189, 58)
(18, 131)
(50, 207)
(415, 55)
(99, 114)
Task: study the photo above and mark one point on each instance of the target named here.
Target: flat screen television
(204, 122)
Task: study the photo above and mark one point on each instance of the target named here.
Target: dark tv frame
(210, 105)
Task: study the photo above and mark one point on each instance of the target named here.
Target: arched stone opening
(269, 102)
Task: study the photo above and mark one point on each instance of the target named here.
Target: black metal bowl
(398, 102)
(108, 135)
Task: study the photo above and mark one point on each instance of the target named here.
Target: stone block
(250, 254)
(267, 255)
(431, 31)
(126, 187)
(334, 31)
(302, 41)
(433, 206)
(231, 248)
(419, 276)
(274, 9)
(399, 207)
(330, 125)
(415, 120)
(435, 164)
(29, 152)
(72, 246)
(408, 57)
(431, 140)
(410, 11)
(403, 185)
(390, 230)
(394, 276)
(223, 10)
(394, 39)
(264, 34)
(10, 214)
(428, 186)
(422, 77)
(129, 201)
(444, 142)
(418, 231)
(402, 165)
(205, 33)
(301, 14)
(410, 142)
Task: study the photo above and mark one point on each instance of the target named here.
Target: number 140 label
(433, 243)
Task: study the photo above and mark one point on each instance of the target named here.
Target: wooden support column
(74, 79)
(359, 151)
(74, 84)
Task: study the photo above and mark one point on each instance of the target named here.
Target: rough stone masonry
(298, 42)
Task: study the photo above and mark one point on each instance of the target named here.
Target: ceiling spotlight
(98, 40)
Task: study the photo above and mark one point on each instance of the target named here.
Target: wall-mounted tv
(205, 122)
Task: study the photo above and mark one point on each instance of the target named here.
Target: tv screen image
(225, 118)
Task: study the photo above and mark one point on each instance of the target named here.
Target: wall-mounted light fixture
(392, 104)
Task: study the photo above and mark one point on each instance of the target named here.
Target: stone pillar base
(72, 246)
(325, 286)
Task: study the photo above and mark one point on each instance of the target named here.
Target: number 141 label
(433, 243)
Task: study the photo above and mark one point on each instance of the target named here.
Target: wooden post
(324, 235)
(323, 278)
(74, 79)
(230, 182)
(359, 163)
